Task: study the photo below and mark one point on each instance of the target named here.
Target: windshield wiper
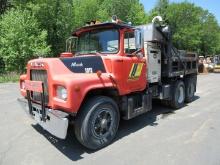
(98, 53)
(89, 52)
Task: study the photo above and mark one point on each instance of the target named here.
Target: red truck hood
(71, 73)
(82, 64)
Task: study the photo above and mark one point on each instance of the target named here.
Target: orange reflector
(77, 88)
(99, 73)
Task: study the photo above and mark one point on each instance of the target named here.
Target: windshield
(98, 41)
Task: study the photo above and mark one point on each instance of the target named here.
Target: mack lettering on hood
(88, 64)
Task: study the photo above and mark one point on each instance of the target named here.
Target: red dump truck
(113, 73)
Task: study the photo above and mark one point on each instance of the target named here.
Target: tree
(59, 18)
(4, 4)
(137, 14)
(103, 10)
(85, 10)
(127, 10)
(55, 16)
(193, 28)
(161, 8)
(218, 43)
(21, 39)
(210, 31)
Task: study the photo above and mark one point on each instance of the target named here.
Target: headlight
(61, 93)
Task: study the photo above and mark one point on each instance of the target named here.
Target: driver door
(134, 64)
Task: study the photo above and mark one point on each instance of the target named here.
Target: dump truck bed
(178, 63)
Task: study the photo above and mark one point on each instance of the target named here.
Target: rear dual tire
(178, 95)
(182, 92)
(190, 89)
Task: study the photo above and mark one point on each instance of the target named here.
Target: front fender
(78, 87)
(21, 82)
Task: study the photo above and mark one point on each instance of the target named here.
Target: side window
(129, 43)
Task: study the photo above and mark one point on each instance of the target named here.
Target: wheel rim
(102, 123)
(180, 94)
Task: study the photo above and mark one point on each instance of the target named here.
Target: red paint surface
(35, 86)
(117, 66)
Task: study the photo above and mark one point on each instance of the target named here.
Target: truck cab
(113, 71)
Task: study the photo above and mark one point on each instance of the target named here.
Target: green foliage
(9, 77)
(30, 26)
(56, 17)
(4, 4)
(128, 11)
(21, 39)
(136, 14)
(85, 10)
(218, 43)
(210, 34)
(194, 29)
(161, 8)
(59, 18)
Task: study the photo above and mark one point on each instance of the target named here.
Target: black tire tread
(83, 117)
(173, 102)
(188, 81)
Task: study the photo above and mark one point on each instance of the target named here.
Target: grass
(9, 77)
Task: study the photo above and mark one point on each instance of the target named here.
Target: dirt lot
(189, 136)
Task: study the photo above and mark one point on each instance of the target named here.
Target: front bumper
(56, 121)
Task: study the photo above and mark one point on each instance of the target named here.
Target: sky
(212, 5)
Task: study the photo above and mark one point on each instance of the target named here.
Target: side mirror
(138, 39)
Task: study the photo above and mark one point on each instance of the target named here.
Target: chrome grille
(40, 75)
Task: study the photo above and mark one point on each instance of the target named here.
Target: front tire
(97, 122)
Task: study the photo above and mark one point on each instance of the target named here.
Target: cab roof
(101, 25)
